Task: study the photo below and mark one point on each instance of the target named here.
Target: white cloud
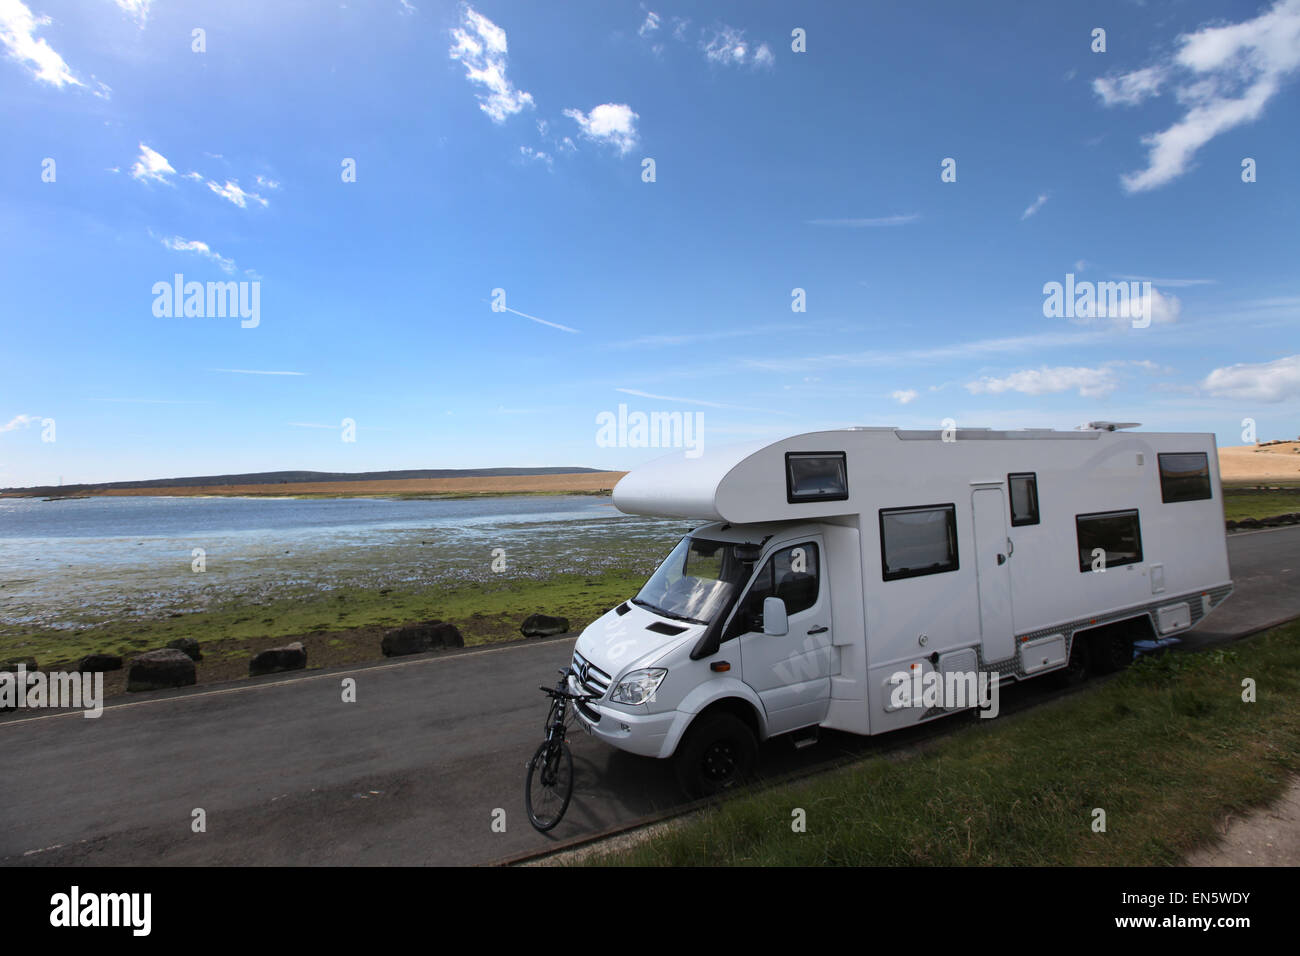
(1034, 206)
(138, 10)
(19, 421)
(610, 123)
(151, 165)
(727, 46)
(903, 395)
(231, 191)
(1274, 381)
(266, 183)
(1226, 77)
(864, 223)
(1129, 89)
(1090, 382)
(177, 244)
(679, 28)
(693, 401)
(18, 28)
(537, 155)
(407, 7)
(650, 25)
(481, 46)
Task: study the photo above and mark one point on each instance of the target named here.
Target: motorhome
(826, 565)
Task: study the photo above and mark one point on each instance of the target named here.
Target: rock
(1250, 523)
(543, 625)
(98, 663)
(188, 646)
(418, 638)
(154, 670)
(293, 657)
(11, 665)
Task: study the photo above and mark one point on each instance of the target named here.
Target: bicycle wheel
(549, 784)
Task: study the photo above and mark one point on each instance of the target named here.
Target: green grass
(1250, 502)
(1165, 749)
(484, 613)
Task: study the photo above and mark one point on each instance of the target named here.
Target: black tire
(549, 785)
(1079, 666)
(1112, 650)
(718, 753)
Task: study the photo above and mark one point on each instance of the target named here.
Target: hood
(637, 638)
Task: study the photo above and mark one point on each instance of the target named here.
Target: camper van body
(895, 552)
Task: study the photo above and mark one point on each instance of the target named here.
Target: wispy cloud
(481, 45)
(1170, 283)
(538, 156)
(533, 318)
(1222, 77)
(613, 124)
(1090, 382)
(727, 46)
(865, 223)
(152, 166)
(232, 193)
(695, 401)
(1034, 206)
(650, 24)
(903, 395)
(198, 247)
(18, 28)
(19, 421)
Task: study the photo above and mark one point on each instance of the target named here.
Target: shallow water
(72, 562)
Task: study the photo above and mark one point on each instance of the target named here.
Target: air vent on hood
(659, 627)
(622, 609)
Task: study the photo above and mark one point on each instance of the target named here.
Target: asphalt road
(416, 771)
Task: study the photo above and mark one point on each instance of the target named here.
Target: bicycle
(551, 768)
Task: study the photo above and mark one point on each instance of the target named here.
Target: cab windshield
(698, 579)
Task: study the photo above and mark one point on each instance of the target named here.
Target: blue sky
(502, 145)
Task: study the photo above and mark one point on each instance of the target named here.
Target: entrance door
(992, 565)
(791, 673)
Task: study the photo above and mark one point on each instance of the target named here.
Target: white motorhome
(832, 562)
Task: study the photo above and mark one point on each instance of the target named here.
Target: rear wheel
(1112, 650)
(549, 784)
(719, 753)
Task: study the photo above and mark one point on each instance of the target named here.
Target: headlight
(638, 687)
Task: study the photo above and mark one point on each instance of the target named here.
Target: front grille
(591, 678)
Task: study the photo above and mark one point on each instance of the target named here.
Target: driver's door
(791, 673)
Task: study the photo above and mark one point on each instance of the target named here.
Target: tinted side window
(915, 541)
(1184, 476)
(1117, 533)
(792, 574)
(1024, 498)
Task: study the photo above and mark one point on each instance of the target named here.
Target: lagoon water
(77, 561)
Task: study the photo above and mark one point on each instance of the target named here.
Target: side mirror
(775, 621)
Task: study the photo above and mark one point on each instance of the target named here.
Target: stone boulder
(155, 670)
(98, 663)
(189, 646)
(418, 638)
(292, 657)
(543, 625)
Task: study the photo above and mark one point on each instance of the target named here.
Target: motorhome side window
(1184, 476)
(1024, 498)
(1114, 535)
(792, 574)
(816, 476)
(915, 541)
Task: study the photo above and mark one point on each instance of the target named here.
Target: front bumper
(646, 734)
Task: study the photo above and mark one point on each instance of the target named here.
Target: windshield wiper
(658, 610)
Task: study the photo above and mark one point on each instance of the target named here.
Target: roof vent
(1109, 426)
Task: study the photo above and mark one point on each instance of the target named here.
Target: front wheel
(719, 753)
(549, 784)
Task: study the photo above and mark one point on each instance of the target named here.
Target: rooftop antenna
(1108, 426)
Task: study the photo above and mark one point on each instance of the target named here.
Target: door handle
(1002, 559)
(818, 630)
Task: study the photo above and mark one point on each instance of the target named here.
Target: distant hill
(293, 477)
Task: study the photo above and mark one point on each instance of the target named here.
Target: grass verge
(1266, 502)
(1165, 749)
